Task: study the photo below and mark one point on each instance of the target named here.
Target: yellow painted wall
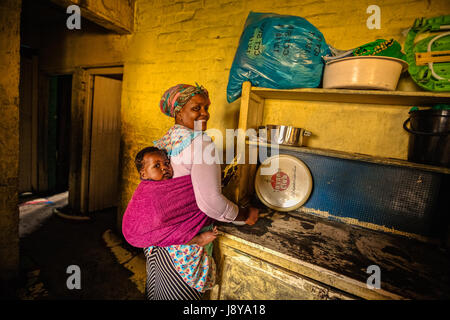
(188, 41)
(61, 49)
(195, 41)
(9, 144)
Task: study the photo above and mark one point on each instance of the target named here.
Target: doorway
(44, 134)
(44, 129)
(101, 140)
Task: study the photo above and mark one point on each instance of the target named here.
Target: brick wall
(195, 40)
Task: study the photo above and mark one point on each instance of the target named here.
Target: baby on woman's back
(153, 164)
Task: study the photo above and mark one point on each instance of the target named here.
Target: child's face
(156, 167)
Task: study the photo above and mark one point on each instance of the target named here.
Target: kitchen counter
(337, 255)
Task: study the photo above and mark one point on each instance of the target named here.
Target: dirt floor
(50, 244)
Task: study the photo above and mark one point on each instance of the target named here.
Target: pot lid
(283, 182)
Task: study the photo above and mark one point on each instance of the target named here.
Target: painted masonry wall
(61, 49)
(188, 41)
(9, 140)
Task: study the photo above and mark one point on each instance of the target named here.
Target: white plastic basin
(363, 72)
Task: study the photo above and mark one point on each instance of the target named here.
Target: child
(163, 218)
(153, 164)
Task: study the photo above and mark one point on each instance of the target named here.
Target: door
(28, 123)
(104, 143)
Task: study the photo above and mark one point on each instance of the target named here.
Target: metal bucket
(285, 135)
(429, 139)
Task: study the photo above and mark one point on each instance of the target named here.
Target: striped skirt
(163, 281)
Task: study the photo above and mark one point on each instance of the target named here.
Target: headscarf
(177, 96)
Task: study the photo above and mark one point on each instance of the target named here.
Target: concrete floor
(109, 268)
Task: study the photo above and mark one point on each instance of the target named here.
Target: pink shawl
(163, 213)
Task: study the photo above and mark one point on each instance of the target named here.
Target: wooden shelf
(359, 157)
(401, 98)
(251, 115)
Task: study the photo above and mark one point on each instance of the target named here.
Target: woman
(189, 106)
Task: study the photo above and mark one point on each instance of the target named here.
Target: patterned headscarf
(177, 96)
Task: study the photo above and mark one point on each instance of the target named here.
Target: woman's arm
(206, 179)
(208, 192)
(202, 239)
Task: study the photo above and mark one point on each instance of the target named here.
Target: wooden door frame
(34, 125)
(86, 132)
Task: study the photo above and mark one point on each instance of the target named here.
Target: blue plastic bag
(277, 51)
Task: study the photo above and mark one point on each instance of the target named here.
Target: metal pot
(429, 140)
(285, 135)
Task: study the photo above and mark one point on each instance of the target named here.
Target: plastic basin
(363, 72)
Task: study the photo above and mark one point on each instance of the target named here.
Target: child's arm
(204, 238)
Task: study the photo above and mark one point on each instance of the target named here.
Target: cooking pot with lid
(285, 135)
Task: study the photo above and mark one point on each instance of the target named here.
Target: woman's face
(196, 109)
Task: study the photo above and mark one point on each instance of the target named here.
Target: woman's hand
(253, 214)
(249, 215)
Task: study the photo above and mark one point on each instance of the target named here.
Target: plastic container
(429, 139)
(363, 72)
